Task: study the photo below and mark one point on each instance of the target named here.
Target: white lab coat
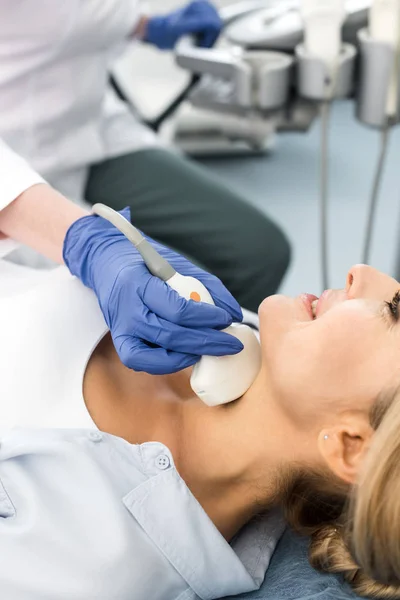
(57, 110)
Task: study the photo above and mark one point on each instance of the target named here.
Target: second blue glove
(142, 311)
(200, 18)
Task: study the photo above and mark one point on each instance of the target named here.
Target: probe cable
(325, 115)
(384, 145)
(324, 191)
(376, 187)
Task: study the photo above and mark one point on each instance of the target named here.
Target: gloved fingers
(202, 26)
(199, 16)
(203, 9)
(139, 356)
(126, 212)
(200, 341)
(209, 37)
(167, 304)
(221, 296)
(209, 25)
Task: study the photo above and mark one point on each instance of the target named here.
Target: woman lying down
(143, 492)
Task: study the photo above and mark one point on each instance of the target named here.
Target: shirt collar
(174, 520)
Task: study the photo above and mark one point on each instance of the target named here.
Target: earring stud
(326, 437)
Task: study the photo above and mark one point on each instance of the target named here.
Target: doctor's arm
(153, 328)
(39, 218)
(31, 212)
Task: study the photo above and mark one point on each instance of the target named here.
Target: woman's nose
(366, 282)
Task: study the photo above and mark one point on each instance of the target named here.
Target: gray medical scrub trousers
(182, 205)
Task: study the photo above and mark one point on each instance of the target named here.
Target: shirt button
(95, 436)
(162, 462)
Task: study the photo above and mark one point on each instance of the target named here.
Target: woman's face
(346, 355)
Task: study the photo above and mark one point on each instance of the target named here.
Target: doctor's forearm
(40, 218)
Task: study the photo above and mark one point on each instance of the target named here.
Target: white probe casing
(218, 380)
(323, 20)
(384, 26)
(384, 21)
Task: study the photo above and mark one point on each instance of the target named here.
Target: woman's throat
(211, 447)
(135, 406)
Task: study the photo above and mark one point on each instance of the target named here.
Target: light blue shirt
(86, 515)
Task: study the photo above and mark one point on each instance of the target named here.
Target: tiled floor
(284, 184)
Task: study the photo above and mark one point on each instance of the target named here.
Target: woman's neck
(231, 457)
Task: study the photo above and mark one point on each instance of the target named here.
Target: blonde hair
(356, 532)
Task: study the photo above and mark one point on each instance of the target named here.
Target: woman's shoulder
(50, 324)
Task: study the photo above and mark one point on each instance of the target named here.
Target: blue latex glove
(200, 17)
(141, 310)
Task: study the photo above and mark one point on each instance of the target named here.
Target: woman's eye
(393, 306)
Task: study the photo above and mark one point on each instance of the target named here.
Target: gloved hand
(199, 17)
(141, 310)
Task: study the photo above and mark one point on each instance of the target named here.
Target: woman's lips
(320, 303)
(308, 301)
(317, 306)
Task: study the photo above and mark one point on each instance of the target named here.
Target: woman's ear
(344, 446)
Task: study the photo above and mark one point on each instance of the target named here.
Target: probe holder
(377, 62)
(271, 75)
(237, 81)
(314, 81)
